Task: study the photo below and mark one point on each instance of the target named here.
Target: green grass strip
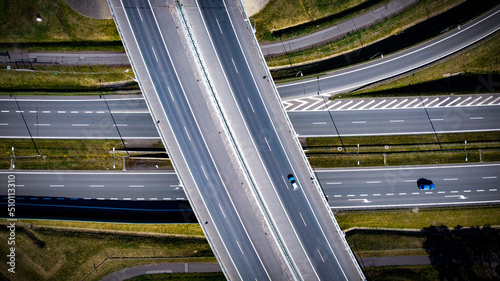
(408, 218)
(403, 150)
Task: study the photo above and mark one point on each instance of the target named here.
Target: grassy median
(403, 150)
(66, 79)
(79, 154)
(83, 154)
(420, 218)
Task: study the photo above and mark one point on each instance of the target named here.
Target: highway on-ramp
(392, 65)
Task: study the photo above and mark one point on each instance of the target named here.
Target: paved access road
(364, 74)
(329, 34)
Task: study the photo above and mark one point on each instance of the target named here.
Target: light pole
(12, 166)
(127, 70)
(465, 149)
(358, 154)
(254, 21)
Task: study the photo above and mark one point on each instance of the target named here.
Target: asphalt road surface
(271, 150)
(349, 188)
(160, 53)
(397, 186)
(129, 118)
(396, 121)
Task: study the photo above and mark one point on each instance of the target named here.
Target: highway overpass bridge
(219, 115)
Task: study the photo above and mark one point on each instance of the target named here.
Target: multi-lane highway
(397, 186)
(223, 133)
(396, 121)
(353, 188)
(267, 145)
(81, 118)
(160, 52)
(129, 118)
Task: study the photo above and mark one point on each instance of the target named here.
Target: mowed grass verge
(72, 254)
(81, 154)
(66, 79)
(72, 248)
(403, 150)
(424, 217)
(59, 25)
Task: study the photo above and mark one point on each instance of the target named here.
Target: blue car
(293, 182)
(425, 184)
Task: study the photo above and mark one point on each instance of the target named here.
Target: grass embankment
(282, 19)
(403, 150)
(66, 79)
(181, 277)
(474, 70)
(80, 154)
(61, 28)
(407, 218)
(363, 37)
(365, 44)
(455, 253)
(72, 248)
(74, 254)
